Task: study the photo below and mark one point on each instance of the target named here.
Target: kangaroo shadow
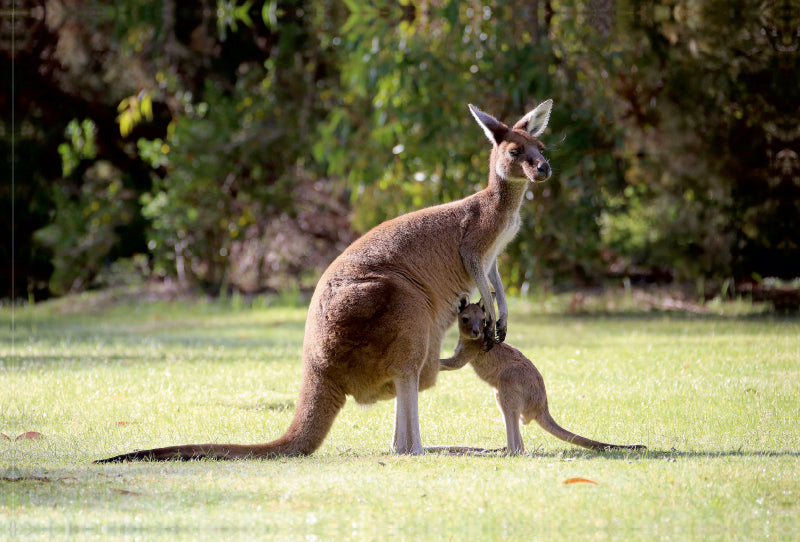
(580, 453)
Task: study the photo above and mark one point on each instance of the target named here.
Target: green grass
(716, 398)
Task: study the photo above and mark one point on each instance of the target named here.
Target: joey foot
(500, 334)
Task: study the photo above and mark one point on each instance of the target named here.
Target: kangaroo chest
(505, 236)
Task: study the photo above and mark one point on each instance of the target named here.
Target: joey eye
(465, 320)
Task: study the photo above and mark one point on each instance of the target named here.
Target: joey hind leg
(511, 421)
(513, 434)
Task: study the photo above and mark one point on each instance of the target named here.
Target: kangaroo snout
(476, 330)
(543, 170)
(537, 169)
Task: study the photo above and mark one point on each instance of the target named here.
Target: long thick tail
(549, 424)
(319, 402)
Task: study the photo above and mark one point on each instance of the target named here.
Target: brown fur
(519, 387)
(379, 312)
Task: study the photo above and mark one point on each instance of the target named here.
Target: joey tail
(549, 424)
(319, 402)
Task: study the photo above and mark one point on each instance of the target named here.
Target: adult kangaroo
(379, 312)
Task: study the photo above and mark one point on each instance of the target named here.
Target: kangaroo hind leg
(511, 420)
(407, 439)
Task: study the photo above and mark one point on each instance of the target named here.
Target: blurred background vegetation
(239, 146)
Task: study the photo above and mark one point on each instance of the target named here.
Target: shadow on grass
(83, 362)
(717, 454)
(626, 315)
(570, 455)
(167, 333)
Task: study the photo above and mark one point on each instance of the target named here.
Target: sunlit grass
(716, 398)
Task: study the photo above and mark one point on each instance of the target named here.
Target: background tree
(708, 95)
(231, 145)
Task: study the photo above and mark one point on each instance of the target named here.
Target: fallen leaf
(124, 423)
(25, 479)
(580, 481)
(30, 435)
(125, 491)
(4, 436)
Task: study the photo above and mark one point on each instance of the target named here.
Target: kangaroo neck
(507, 193)
(470, 348)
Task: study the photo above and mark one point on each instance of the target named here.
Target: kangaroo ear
(493, 128)
(463, 301)
(535, 121)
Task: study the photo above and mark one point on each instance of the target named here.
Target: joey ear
(463, 301)
(535, 121)
(493, 128)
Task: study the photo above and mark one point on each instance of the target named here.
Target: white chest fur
(506, 235)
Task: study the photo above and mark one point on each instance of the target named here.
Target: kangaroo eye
(483, 321)
(465, 320)
(514, 152)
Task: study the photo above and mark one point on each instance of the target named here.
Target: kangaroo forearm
(455, 362)
(497, 284)
(472, 259)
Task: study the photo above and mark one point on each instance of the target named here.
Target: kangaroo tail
(549, 424)
(319, 402)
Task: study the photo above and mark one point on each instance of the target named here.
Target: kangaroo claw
(488, 336)
(500, 334)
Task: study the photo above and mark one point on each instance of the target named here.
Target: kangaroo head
(471, 321)
(516, 152)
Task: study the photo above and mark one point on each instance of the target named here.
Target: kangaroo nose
(543, 169)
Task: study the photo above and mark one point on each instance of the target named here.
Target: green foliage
(228, 160)
(672, 138)
(83, 230)
(132, 110)
(81, 145)
(230, 14)
(233, 153)
(197, 207)
(705, 123)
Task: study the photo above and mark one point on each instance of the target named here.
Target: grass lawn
(715, 397)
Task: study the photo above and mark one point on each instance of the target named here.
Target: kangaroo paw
(500, 334)
(488, 336)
